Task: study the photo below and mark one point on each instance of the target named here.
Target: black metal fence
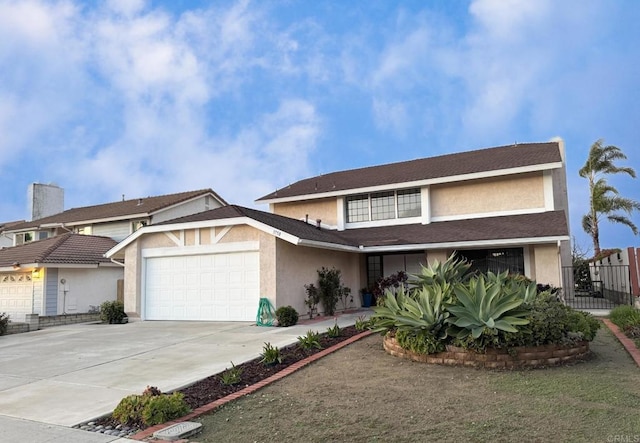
(597, 287)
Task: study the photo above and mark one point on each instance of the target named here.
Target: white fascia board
(470, 244)
(417, 183)
(96, 220)
(201, 249)
(200, 225)
(332, 246)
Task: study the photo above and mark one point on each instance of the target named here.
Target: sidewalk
(18, 430)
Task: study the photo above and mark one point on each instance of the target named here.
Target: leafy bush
(632, 331)
(231, 376)
(420, 342)
(287, 316)
(313, 298)
(270, 355)
(150, 408)
(584, 324)
(162, 408)
(391, 283)
(334, 331)
(623, 316)
(309, 341)
(4, 322)
(329, 285)
(112, 312)
(129, 410)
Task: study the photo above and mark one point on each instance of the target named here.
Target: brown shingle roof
(289, 225)
(490, 159)
(67, 248)
(146, 206)
(545, 224)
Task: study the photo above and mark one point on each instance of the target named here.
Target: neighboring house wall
(51, 291)
(503, 194)
(200, 204)
(298, 266)
(86, 288)
(116, 230)
(325, 209)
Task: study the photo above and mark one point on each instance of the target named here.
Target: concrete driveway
(71, 374)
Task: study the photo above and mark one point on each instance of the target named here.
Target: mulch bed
(211, 388)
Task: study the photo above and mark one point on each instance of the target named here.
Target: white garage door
(220, 287)
(16, 293)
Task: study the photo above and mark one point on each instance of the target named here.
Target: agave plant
(422, 310)
(451, 271)
(483, 304)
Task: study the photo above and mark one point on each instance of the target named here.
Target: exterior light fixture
(16, 265)
(36, 273)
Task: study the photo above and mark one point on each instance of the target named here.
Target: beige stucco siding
(546, 265)
(525, 191)
(158, 240)
(298, 266)
(240, 233)
(324, 209)
(132, 279)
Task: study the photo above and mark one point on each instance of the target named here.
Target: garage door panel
(222, 287)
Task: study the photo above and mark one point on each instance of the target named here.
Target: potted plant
(367, 297)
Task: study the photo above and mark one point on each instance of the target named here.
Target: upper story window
(383, 205)
(23, 237)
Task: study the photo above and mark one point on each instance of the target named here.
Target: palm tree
(604, 199)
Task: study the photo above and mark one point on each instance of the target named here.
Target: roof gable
(67, 248)
(450, 165)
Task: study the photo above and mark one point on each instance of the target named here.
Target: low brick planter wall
(520, 357)
(17, 328)
(67, 319)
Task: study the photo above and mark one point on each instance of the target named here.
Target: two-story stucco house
(57, 264)
(502, 208)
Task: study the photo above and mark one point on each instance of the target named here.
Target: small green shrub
(583, 323)
(4, 322)
(112, 312)
(270, 355)
(287, 316)
(150, 408)
(309, 341)
(162, 408)
(329, 285)
(420, 342)
(334, 331)
(362, 324)
(231, 376)
(623, 316)
(129, 410)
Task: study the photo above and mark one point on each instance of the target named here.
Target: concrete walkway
(72, 374)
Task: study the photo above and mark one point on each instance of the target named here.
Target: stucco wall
(86, 288)
(525, 191)
(157, 240)
(240, 233)
(546, 264)
(324, 209)
(297, 266)
(132, 279)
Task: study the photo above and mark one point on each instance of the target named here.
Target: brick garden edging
(520, 357)
(250, 389)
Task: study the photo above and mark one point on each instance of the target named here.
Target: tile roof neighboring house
(67, 248)
(126, 208)
(510, 157)
(495, 230)
(9, 225)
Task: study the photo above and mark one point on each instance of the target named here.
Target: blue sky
(149, 97)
